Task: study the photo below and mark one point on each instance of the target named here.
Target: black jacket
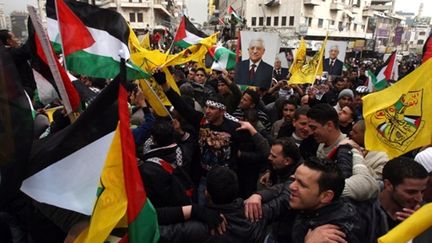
(239, 228)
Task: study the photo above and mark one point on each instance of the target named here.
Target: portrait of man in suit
(332, 64)
(254, 71)
(279, 72)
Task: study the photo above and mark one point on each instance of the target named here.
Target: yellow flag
(111, 204)
(411, 227)
(300, 57)
(399, 118)
(309, 71)
(155, 96)
(145, 43)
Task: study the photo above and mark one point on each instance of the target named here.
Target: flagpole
(47, 49)
(320, 58)
(60, 34)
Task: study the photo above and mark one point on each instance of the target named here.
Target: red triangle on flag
(389, 69)
(74, 34)
(181, 31)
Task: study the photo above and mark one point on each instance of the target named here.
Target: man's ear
(326, 197)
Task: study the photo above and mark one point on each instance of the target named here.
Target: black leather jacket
(239, 229)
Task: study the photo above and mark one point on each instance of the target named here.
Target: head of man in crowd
(346, 115)
(284, 152)
(162, 133)
(231, 74)
(317, 183)
(345, 98)
(340, 83)
(324, 123)
(200, 76)
(404, 183)
(301, 123)
(191, 74)
(215, 110)
(179, 76)
(289, 107)
(9, 39)
(256, 50)
(425, 159)
(334, 52)
(359, 93)
(249, 99)
(222, 186)
(223, 88)
(357, 132)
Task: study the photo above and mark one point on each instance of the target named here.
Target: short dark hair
(222, 185)
(162, 132)
(290, 101)
(217, 98)
(202, 70)
(289, 148)
(331, 175)
(400, 168)
(180, 74)
(4, 36)
(254, 95)
(301, 111)
(322, 113)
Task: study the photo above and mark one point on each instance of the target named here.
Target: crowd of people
(285, 163)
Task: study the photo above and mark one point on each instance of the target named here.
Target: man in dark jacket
(222, 191)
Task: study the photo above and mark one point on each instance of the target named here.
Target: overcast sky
(198, 8)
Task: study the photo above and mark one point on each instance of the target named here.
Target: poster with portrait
(259, 50)
(335, 53)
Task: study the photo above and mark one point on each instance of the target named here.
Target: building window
(260, 21)
(348, 26)
(320, 23)
(268, 21)
(291, 21)
(132, 17)
(355, 27)
(340, 26)
(253, 21)
(284, 21)
(332, 22)
(420, 42)
(140, 17)
(309, 22)
(276, 21)
(422, 33)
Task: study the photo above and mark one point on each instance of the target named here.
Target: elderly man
(332, 64)
(254, 71)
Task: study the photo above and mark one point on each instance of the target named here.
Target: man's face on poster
(334, 52)
(256, 50)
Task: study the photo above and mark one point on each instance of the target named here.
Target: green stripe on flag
(85, 63)
(142, 229)
(182, 44)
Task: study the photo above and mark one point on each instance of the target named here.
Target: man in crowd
(279, 72)
(345, 98)
(324, 123)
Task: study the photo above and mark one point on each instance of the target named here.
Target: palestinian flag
(223, 58)
(384, 74)
(77, 151)
(234, 15)
(106, 30)
(187, 34)
(427, 49)
(374, 84)
(46, 83)
(16, 129)
(121, 180)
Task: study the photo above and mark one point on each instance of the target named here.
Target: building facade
(19, 24)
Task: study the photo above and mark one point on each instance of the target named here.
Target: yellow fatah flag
(411, 227)
(399, 118)
(111, 204)
(300, 57)
(145, 43)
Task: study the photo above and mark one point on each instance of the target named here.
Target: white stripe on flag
(72, 182)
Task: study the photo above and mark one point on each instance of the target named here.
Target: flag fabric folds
(223, 58)
(121, 181)
(187, 34)
(385, 72)
(16, 128)
(80, 150)
(45, 74)
(374, 84)
(307, 73)
(110, 33)
(398, 118)
(234, 15)
(300, 57)
(427, 49)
